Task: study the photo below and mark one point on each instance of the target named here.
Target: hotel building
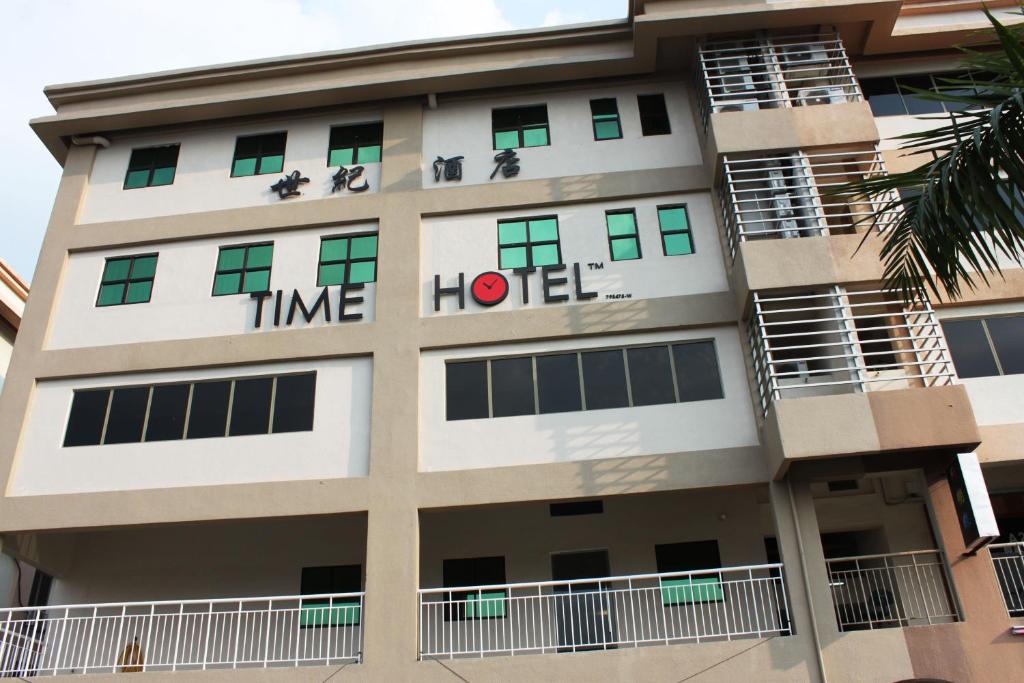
(546, 354)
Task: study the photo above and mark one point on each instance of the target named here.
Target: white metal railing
(835, 340)
(1008, 559)
(185, 635)
(603, 613)
(892, 590)
(794, 194)
(767, 72)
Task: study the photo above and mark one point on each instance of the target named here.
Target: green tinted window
(127, 280)
(351, 259)
(151, 166)
(520, 127)
(674, 223)
(355, 144)
(243, 268)
(605, 115)
(527, 243)
(623, 240)
(258, 154)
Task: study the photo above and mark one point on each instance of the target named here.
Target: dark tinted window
(650, 376)
(1008, 338)
(85, 424)
(127, 413)
(294, 403)
(558, 383)
(685, 557)
(338, 579)
(250, 407)
(883, 96)
(512, 386)
(577, 507)
(969, 347)
(466, 390)
(604, 379)
(209, 414)
(358, 144)
(167, 412)
(653, 115)
(697, 371)
(916, 105)
(473, 571)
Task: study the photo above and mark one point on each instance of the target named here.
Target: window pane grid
(520, 127)
(529, 243)
(258, 154)
(355, 144)
(243, 268)
(986, 347)
(674, 224)
(127, 280)
(347, 259)
(623, 238)
(121, 415)
(605, 118)
(639, 384)
(151, 167)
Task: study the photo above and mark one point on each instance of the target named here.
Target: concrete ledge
(873, 422)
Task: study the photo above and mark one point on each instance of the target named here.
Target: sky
(44, 42)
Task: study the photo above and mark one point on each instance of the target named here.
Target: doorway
(583, 611)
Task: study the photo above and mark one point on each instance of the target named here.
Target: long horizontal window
(192, 410)
(582, 380)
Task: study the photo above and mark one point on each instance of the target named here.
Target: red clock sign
(489, 288)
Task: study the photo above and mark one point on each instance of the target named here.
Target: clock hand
(489, 286)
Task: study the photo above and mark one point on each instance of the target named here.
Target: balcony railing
(835, 341)
(1008, 559)
(891, 591)
(794, 194)
(181, 636)
(769, 72)
(604, 613)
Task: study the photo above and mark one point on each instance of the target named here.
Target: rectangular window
(558, 383)
(347, 259)
(986, 347)
(466, 395)
(258, 154)
(520, 127)
(674, 222)
(688, 557)
(697, 375)
(883, 96)
(317, 612)
(529, 243)
(243, 268)
(653, 115)
(151, 166)
(605, 116)
(358, 144)
(604, 379)
(474, 571)
(888, 95)
(512, 386)
(632, 376)
(196, 410)
(623, 240)
(127, 280)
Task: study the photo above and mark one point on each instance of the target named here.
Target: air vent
(580, 507)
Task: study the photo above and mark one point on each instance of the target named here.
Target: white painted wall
(995, 400)
(182, 305)
(469, 244)
(338, 446)
(463, 128)
(203, 179)
(585, 435)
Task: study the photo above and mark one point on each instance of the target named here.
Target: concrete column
(392, 551)
(810, 605)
